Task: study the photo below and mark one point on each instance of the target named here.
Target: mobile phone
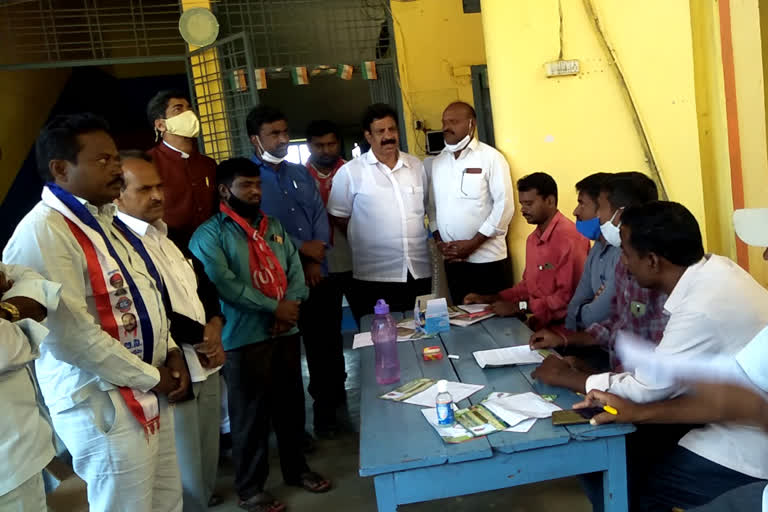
(575, 416)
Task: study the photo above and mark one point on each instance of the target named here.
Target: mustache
(388, 141)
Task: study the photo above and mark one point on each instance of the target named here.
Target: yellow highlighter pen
(610, 410)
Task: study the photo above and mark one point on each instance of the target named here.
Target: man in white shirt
(107, 389)
(715, 402)
(470, 207)
(715, 307)
(26, 440)
(196, 328)
(380, 199)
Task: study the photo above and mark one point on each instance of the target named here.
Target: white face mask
(462, 144)
(267, 156)
(185, 124)
(611, 232)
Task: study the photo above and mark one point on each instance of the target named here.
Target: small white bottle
(444, 403)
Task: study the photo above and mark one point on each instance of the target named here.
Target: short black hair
(322, 127)
(159, 103)
(665, 228)
(627, 189)
(228, 170)
(592, 184)
(58, 139)
(466, 105)
(261, 115)
(375, 112)
(138, 154)
(541, 182)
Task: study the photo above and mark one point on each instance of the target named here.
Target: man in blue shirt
(257, 272)
(290, 195)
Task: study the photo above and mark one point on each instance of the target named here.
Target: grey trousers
(27, 497)
(197, 442)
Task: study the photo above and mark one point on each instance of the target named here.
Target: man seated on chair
(554, 258)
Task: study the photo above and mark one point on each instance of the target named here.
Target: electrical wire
(644, 141)
(560, 12)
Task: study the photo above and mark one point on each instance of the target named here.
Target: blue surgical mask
(589, 228)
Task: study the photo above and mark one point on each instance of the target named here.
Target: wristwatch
(522, 306)
(11, 310)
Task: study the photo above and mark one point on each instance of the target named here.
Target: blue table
(411, 463)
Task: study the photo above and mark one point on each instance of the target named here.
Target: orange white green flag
(261, 78)
(299, 75)
(345, 71)
(369, 70)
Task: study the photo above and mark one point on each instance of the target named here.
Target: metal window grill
(223, 87)
(46, 33)
(308, 32)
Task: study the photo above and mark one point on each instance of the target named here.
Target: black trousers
(265, 388)
(399, 296)
(320, 324)
(483, 278)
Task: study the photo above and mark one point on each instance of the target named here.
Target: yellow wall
(572, 126)
(436, 45)
(748, 63)
(26, 99)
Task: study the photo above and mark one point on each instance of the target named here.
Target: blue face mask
(589, 228)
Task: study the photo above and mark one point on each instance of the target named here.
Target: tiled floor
(338, 459)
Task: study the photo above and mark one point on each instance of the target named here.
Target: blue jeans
(742, 499)
(679, 478)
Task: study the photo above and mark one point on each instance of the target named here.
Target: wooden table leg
(615, 497)
(385, 492)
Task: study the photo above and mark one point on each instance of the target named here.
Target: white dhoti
(28, 497)
(125, 470)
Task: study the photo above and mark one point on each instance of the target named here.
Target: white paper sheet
(507, 356)
(515, 409)
(523, 426)
(455, 433)
(474, 308)
(458, 390)
(363, 339)
(196, 371)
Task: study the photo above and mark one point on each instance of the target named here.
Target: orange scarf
(266, 272)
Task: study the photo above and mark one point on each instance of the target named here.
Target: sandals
(262, 502)
(312, 482)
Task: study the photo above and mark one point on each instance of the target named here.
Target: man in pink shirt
(554, 258)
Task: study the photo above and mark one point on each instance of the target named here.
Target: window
(298, 152)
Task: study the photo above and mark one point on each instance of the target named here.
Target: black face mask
(247, 210)
(324, 160)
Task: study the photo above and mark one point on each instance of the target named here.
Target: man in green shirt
(257, 272)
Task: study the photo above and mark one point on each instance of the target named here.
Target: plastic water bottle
(444, 403)
(384, 336)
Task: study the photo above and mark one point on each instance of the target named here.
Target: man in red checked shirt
(554, 259)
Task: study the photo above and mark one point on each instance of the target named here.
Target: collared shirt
(472, 194)
(386, 210)
(78, 357)
(339, 255)
(290, 195)
(189, 183)
(179, 277)
(633, 308)
(592, 301)
(222, 246)
(554, 261)
(716, 307)
(26, 444)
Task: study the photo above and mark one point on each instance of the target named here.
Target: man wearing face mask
(292, 197)
(257, 271)
(470, 207)
(592, 300)
(188, 175)
(379, 199)
(635, 309)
